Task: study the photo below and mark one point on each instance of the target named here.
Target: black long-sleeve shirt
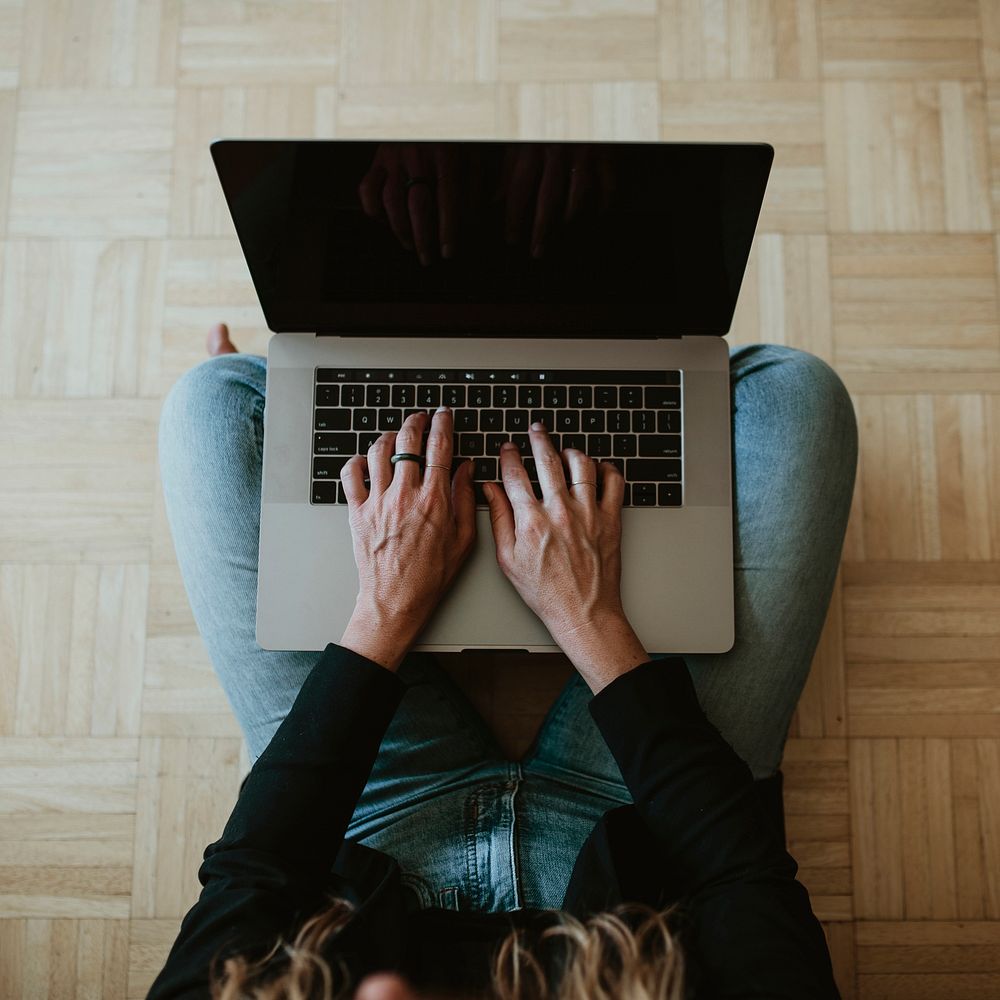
(700, 833)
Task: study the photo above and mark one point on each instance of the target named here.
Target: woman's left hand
(411, 534)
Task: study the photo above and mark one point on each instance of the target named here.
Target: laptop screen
(495, 238)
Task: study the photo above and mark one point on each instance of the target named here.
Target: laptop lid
(517, 238)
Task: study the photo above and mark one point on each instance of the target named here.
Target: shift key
(656, 470)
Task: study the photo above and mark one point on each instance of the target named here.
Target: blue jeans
(470, 829)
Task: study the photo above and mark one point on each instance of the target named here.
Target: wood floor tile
(989, 21)
(149, 945)
(788, 115)
(100, 43)
(785, 296)
(906, 156)
(98, 336)
(8, 118)
(896, 39)
(993, 127)
(584, 41)
(927, 478)
(618, 110)
(417, 111)
(63, 959)
(840, 941)
(923, 303)
(95, 163)
(11, 17)
(245, 42)
(187, 789)
(74, 649)
(772, 40)
(76, 497)
(378, 44)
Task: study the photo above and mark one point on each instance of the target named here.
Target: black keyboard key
(337, 419)
(466, 420)
(328, 395)
(581, 396)
(555, 396)
(453, 395)
(624, 445)
(556, 441)
(529, 396)
(606, 396)
(365, 440)
(516, 420)
(335, 443)
(390, 420)
(377, 395)
(669, 494)
(409, 413)
(325, 491)
(523, 442)
(643, 421)
(659, 397)
(470, 445)
(429, 396)
(643, 494)
(567, 420)
(352, 395)
(403, 395)
(477, 491)
(329, 468)
(364, 420)
(485, 469)
(630, 397)
(655, 469)
(618, 463)
(592, 421)
(598, 445)
(479, 396)
(504, 396)
(546, 417)
(668, 421)
(491, 420)
(660, 446)
(619, 422)
(457, 461)
(530, 467)
(494, 442)
(578, 441)
(342, 495)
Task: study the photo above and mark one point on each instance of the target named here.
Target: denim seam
(471, 812)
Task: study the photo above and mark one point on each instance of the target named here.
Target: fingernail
(507, 446)
(538, 426)
(443, 409)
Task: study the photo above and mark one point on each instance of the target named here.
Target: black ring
(407, 456)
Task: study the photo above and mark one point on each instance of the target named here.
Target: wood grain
(877, 250)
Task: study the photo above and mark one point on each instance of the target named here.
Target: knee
(205, 400)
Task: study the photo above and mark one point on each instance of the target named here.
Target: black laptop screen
(518, 239)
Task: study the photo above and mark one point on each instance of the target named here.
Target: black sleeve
(749, 921)
(270, 866)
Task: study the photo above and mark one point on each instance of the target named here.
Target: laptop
(589, 285)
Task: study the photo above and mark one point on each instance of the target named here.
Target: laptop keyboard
(630, 418)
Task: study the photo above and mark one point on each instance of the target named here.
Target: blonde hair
(627, 953)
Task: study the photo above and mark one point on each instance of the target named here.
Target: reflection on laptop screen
(543, 239)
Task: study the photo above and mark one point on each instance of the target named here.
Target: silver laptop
(589, 285)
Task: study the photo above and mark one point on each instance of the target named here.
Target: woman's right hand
(563, 554)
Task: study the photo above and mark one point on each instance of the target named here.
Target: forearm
(603, 649)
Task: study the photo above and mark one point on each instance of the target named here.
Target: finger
(551, 196)
(439, 450)
(515, 477)
(521, 190)
(463, 503)
(370, 191)
(352, 476)
(394, 201)
(420, 204)
(409, 439)
(583, 473)
(612, 485)
(547, 462)
(447, 197)
(379, 466)
(501, 520)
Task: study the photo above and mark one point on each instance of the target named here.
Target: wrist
(603, 648)
(381, 640)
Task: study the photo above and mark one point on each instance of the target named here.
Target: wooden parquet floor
(877, 250)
